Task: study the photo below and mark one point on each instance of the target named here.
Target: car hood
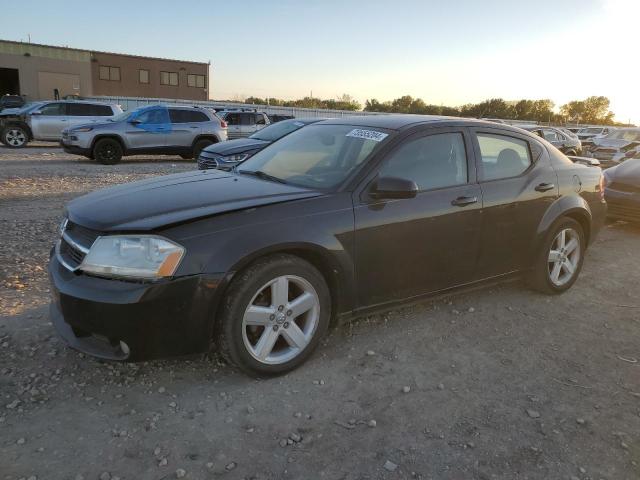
(627, 172)
(233, 147)
(610, 142)
(163, 201)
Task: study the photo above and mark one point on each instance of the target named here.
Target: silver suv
(244, 122)
(156, 129)
(47, 120)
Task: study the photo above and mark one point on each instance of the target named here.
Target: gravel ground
(499, 383)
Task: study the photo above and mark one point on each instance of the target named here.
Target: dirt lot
(502, 383)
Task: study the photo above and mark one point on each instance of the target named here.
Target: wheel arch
(205, 136)
(113, 136)
(574, 207)
(18, 123)
(331, 270)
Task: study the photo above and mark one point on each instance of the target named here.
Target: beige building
(43, 71)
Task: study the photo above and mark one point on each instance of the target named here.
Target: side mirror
(394, 187)
(135, 122)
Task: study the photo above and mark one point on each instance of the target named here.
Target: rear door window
(247, 119)
(503, 156)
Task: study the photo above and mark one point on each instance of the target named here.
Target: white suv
(242, 123)
(49, 119)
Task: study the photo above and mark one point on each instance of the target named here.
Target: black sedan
(567, 144)
(622, 190)
(226, 155)
(337, 219)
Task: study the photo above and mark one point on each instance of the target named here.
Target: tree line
(592, 110)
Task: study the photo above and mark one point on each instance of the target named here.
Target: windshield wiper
(262, 175)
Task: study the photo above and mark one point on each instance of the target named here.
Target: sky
(445, 52)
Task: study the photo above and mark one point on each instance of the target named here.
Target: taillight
(223, 124)
(601, 186)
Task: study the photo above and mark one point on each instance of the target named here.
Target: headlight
(234, 158)
(82, 129)
(136, 256)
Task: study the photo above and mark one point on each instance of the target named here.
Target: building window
(109, 73)
(168, 78)
(143, 76)
(195, 80)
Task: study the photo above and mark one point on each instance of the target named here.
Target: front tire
(274, 315)
(15, 136)
(560, 258)
(107, 151)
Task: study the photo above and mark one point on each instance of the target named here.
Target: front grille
(75, 243)
(207, 161)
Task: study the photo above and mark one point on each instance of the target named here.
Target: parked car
(244, 122)
(47, 120)
(587, 133)
(336, 219)
(618, 146)
(568, 131)
(11, 101)
(156, 129)
(279, 118)
(569, 145)
(622, 190)
(225, 156)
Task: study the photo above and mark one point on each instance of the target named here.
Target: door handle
(545, 187)
(464, 201)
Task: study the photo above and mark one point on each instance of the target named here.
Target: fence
(129, 103)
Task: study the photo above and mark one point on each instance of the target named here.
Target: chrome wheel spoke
(294, 336)
(555, 273)
(571, 246)
(280, 291)
(266, 343)
(258, 316)
(564, 257)
(554, 256)
(302, 304)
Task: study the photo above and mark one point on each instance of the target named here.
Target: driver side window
(54, 109)
(433, 161)
(153, 117)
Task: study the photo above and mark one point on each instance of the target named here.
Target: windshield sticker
(298, 124)
(367, 134)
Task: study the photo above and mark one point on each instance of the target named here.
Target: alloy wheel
(15, 137)
(107, 152)
(564, 257)
(281, 320)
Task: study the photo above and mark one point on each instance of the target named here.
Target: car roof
(404, 121)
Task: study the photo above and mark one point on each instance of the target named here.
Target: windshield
(318, 156)
(628, 135)
(277, 130)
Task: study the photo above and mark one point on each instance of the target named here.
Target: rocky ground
(501, 383)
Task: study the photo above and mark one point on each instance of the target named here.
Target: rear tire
(274, 315)
(15, 136)
(199, 146)
(560, 258)
(107, 151)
